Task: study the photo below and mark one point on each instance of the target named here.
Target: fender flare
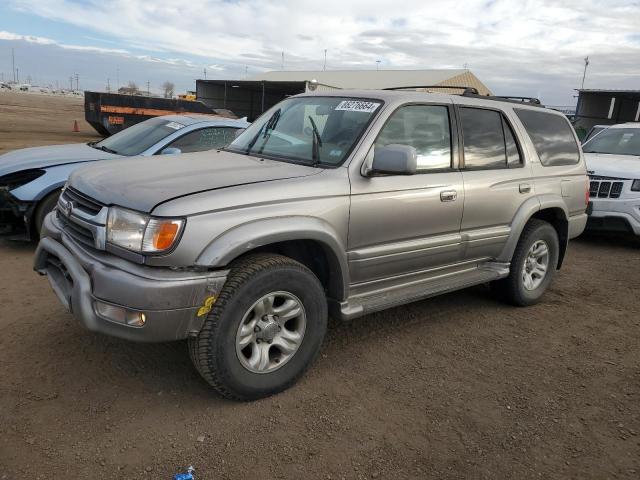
(246, 237)
(527, 210)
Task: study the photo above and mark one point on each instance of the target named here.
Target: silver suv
(345, 202)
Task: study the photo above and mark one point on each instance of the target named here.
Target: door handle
(448, 196)
(525, 188)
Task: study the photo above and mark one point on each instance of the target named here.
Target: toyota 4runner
(346, 202)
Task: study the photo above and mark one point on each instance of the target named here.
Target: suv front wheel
(264, 330)
(533, 265)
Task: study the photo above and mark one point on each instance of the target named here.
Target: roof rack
(534, 102)
(466, 90)
(473, 92)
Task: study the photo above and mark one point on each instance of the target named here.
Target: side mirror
(171, 151)
(394, 160)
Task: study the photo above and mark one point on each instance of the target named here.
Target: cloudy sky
(524, 47)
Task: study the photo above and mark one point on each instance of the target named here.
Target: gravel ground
(459, 386)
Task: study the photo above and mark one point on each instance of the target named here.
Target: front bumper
(15, 216)
(174, 303)
(615, 214)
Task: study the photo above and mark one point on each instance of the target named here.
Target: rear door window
(489, 142)
(552, 137)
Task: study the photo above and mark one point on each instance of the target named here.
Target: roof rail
(466, 90)
(534, 102)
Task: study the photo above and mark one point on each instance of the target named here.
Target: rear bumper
(577, 224)
(90, 283)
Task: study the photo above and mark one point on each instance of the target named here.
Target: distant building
(606, 107)
(380, 79)
(249, 98)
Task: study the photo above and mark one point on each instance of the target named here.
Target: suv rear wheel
(532, 266)
(264, 330)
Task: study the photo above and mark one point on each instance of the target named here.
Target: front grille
(605, 187)
(78, 232)
(82, 218)
(84, 203)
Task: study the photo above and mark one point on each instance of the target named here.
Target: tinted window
(552, 137)
(424, 127)
(514, 159)
(484, 141)
(205, 139)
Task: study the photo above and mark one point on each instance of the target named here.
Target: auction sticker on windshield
(357, 106)
(174, 125)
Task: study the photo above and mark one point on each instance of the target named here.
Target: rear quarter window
(552, 137)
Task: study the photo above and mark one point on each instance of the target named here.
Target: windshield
(616, 141)
(139, 137)
(313, 130)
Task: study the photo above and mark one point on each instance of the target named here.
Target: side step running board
(365, 304)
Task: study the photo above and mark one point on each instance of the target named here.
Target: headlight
(635, 186)
(18, 179)
(141, 233)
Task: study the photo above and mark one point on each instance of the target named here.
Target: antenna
(584, 74)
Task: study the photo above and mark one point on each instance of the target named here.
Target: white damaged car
(613, 164)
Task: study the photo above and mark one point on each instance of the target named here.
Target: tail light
(586, 192)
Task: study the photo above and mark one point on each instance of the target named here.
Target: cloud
(510, 46)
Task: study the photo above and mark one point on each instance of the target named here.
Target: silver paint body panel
(393, 239)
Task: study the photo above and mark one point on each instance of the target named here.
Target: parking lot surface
(459, 386)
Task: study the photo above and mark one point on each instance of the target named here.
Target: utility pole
(246, 72)
(71, 83)
(325, 60)
(282, 61)
(205, 73)
(17, 75)
(584, 74)
(117, 78)
(77, 83)
(13, 65)
(148, 92)
(378, 64)
(108, 86)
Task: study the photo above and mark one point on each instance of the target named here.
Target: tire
(514, 288)
(217, 350)
(46, 205)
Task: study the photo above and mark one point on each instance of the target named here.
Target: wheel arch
(549, 208)
(310, 241)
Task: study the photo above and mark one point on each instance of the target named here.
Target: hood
(43, 157)
(141, 183)
(607, 165)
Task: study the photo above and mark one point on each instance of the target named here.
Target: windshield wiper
(268, 125)
(106, 149)
(317, 143)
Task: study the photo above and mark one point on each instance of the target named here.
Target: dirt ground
(31, 120)
(458, 386)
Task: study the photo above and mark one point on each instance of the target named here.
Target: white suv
(613, 164)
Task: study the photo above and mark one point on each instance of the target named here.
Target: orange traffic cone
(75, 126)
